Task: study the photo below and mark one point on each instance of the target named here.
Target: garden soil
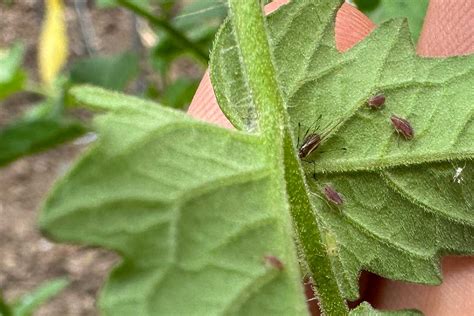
(27, 258)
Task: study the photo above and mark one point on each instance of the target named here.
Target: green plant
(382, 10)
(27, 304)
(214, 221)
(47, 123)
(183, 31)
(187, 33)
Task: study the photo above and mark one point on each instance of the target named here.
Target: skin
(448, 30)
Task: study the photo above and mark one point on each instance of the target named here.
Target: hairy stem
(163, 24)
(309, 235)
(273, 121)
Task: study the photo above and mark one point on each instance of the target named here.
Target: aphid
(402, 126)
(376, 101)
(273, 262)
(308, 280)
(310, 144)
(308, 283)
(311, 141)
(332, 195)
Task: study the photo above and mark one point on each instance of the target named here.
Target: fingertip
(272, 6)
(452, 297)
(204, 104)
(448, 29)
(352, 26)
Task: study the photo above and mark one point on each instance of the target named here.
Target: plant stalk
(247, 18)
(163, 24)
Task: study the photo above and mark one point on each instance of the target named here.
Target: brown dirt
(28, 259)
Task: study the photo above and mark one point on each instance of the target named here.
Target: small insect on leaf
(402, 126)
(332, 195)
(310, 144)
(309, 288)
(273, 262)
(312, 141)
(376, 101)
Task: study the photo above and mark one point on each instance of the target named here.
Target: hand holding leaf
(187, 204)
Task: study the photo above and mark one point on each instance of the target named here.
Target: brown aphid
(332, 195)
(402, 126)
(274, 262)
(310, 144)
(376, 101)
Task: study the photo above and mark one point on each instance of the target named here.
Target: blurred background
(155, 49)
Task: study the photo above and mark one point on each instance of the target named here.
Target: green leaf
(191, 208)
(111, 72)
(200, 21)
(364, 309)
(12, 77)
(201, 11)
(401, 209)
(179, 94)
(166, 50)
(414, 11)
(367, 5)
(28, 136)
(31, 301)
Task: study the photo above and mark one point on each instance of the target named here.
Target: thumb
(448, 29)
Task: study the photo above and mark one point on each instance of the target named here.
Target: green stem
(249, 25)
(176, 35)
(309, 235)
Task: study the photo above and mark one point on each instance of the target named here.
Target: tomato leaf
(402, 208)
(190, 207)
(364, 309)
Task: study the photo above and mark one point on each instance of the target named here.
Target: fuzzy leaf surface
(190, 207)
(364, 309)
(403, 206)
